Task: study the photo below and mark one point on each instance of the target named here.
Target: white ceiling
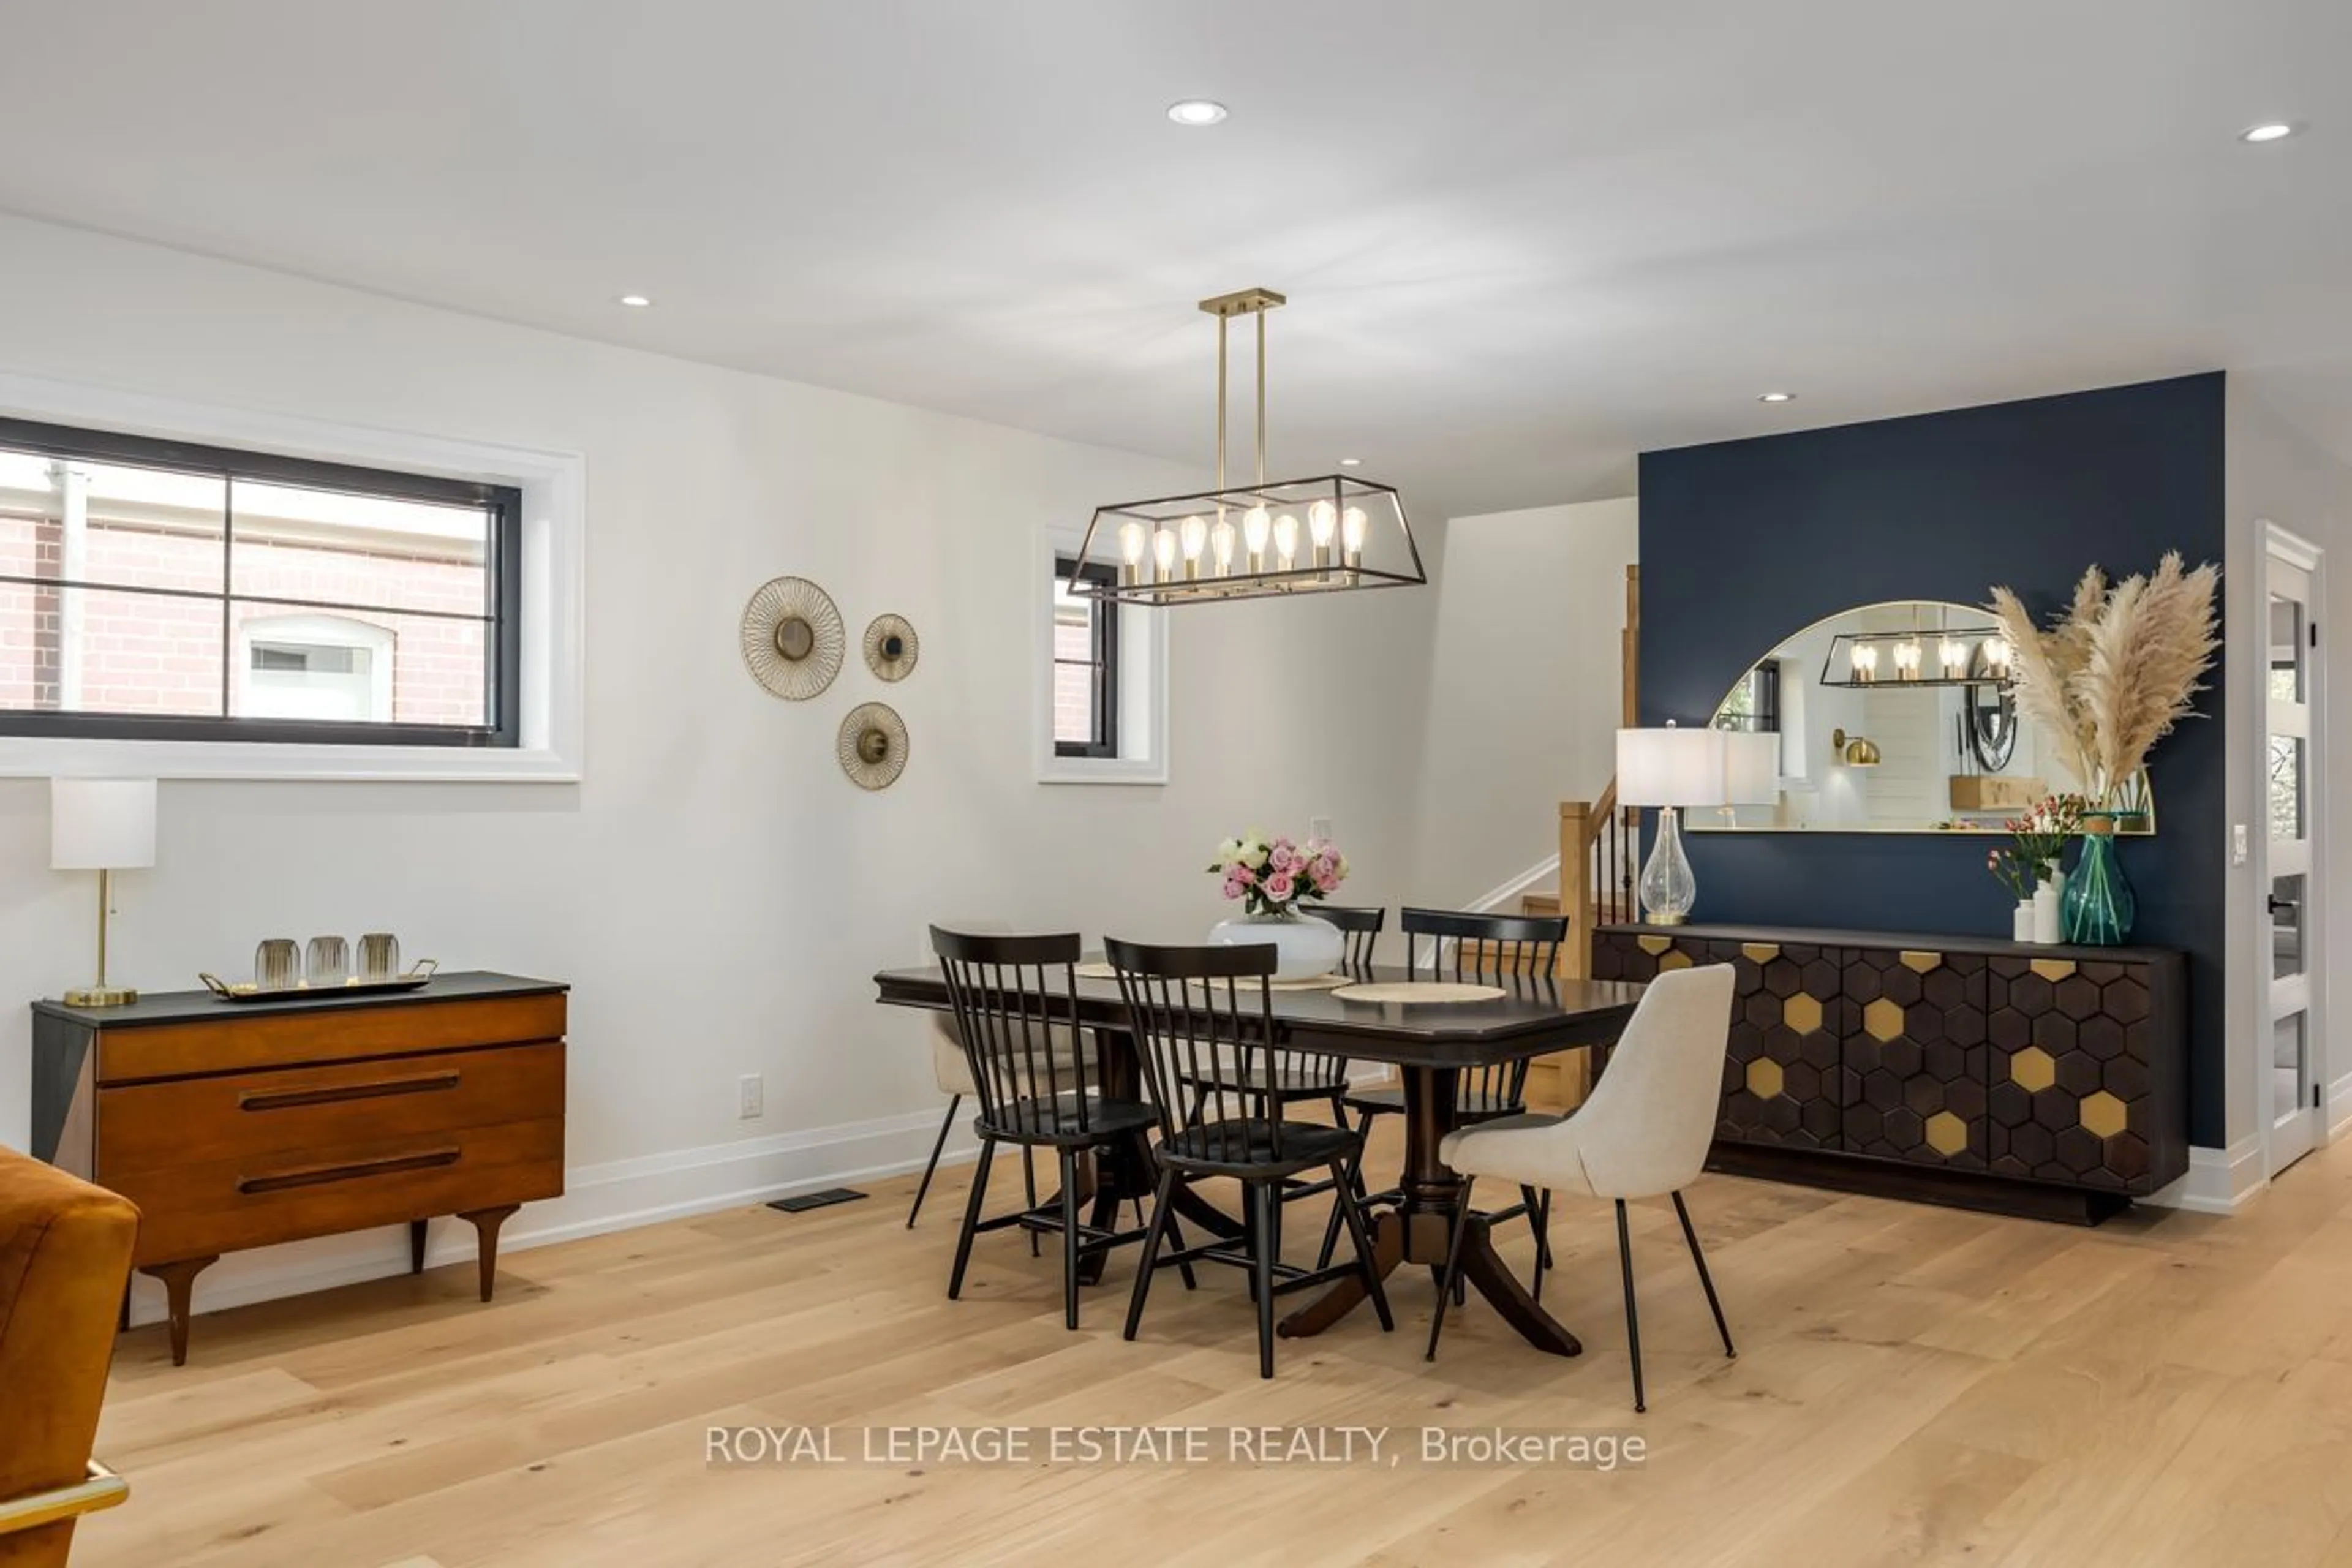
(1524, 239)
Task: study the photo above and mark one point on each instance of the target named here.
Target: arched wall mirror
(1895, 718)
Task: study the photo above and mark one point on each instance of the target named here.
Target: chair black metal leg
(1361, 1235)
(1543, 1241)
(1535, 1218)
(1355, 1180)
(1267, 1207)
(1176, 1240)
(1705, 1283)
(947, 1124)
(1069, 1162)
(1453, 1275)
(972, 1217)
(1632, 1314)
(1029, 1188)
(1163, 1219)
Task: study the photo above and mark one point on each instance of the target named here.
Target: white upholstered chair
(1642, 1131)
(953, 1071)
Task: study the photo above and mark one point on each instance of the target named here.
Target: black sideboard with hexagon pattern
(2048, 1080)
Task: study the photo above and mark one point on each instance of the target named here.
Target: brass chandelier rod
(1261, 400)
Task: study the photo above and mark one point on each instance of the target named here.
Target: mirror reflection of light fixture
(1853, 751)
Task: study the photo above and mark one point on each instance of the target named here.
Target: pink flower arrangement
(1275, 875)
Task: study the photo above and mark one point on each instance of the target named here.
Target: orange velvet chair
(65, 1257)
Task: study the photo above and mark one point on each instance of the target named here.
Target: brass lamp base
(1664, 919)
(101, 997)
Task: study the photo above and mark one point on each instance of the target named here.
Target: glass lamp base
(1668, 887)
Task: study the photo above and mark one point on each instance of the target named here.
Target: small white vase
(2045, 913)
(2020, 922)
(1305, 946)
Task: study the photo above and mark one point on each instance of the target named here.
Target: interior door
(2291, 1078)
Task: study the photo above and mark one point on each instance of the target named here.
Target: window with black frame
(159, 590)
(1754, 704)
(1085, 666)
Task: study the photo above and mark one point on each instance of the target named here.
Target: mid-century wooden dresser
(234, 1125)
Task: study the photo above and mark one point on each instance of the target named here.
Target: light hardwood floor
(1915, 1384)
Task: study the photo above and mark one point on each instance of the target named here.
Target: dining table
(1429, 1044)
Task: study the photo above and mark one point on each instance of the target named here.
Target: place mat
(1411, 991)
(1095, 969)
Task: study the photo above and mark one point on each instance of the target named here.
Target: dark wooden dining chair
(1304, 1079)
(1015, 998)
(1359, 929)
(1191, 1009)
(1518, 953)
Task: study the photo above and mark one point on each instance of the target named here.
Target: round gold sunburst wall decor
(892, 647)
(872, 745)
(792, 641)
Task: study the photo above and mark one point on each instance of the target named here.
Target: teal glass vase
(2099, 908)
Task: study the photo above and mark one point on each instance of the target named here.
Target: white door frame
(2322, 1057)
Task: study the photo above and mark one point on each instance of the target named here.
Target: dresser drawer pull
(293, 1098)
(319, 1175)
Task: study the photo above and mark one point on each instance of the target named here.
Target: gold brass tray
(246, 991)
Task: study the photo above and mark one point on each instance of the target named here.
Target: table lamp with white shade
(1670, 768)
(104, 825)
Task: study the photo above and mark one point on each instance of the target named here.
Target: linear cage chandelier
(1940, 655)
(1256, 541)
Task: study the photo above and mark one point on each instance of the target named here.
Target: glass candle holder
(379, 956)
(276, 964)
(327, 962)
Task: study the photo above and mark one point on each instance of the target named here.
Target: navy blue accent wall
(1744, 543)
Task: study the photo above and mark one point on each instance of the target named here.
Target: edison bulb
(1256, 523)
(1221, 546)
(1353, 525)
(1321, 518)
(1132, 541)
(1163, 549)
(1953, 656)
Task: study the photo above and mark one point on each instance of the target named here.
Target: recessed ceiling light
(1349, 462)
(1776, 397)
(2276, 130)
(1196, 111)
(637, 301)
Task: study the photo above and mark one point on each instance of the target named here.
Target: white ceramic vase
(1306, 947)
(2046, 912)
(2020, 922)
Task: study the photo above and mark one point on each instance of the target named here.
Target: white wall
(714, 889)
(1526, 687)
(2278, 474)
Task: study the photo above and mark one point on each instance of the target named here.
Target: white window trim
(554, 589)
(1142, 684)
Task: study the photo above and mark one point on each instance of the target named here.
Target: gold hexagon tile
(1654, 945)
(2032, 1070)
(1760, 951)
(1801, 1013)
(1920, 963)
(2052, 969)
(2103, 1115)
(1947, 1133)
(1764, 1078)
(1884, 1020)
(1673, 961)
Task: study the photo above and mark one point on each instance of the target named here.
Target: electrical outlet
(2239, 849)
(1319, 828)
(750, 1097)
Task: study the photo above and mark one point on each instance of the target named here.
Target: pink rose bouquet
(1275, 875)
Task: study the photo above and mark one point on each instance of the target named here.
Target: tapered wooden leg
(416, 1245)
(486, 1223)
(179, 1282)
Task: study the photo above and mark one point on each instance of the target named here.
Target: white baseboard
(617, 1195)
(2338, 1105)
(2219, 1181)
